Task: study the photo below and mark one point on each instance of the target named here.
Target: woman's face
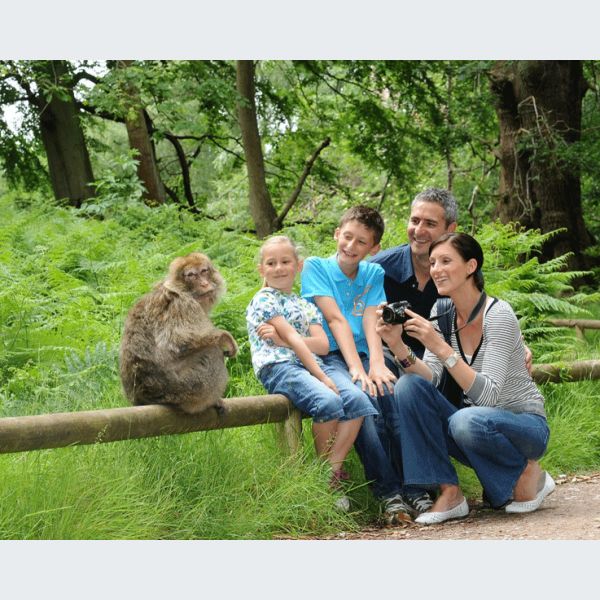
(449, 270)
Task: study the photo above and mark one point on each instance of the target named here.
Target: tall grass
(66, 284)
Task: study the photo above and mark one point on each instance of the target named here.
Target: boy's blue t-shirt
(323, 277)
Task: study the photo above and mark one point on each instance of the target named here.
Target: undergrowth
(67, 281)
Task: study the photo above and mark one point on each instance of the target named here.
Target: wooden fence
(579, 324)
(56, 430)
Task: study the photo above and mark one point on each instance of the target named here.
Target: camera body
(394, 313)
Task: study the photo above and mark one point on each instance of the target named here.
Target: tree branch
(81, 75)
(92, 110)
(307, 167)
(185, 170)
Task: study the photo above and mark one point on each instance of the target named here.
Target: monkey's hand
(228, 344)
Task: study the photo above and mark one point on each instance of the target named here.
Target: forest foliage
(70, 271)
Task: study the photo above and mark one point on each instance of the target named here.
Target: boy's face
(354, 243)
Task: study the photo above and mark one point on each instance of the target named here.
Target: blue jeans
(494, 442)
(313, 397)
(371, 444)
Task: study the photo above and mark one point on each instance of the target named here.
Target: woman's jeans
(495, 442)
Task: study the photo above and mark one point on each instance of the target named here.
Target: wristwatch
(451, 360)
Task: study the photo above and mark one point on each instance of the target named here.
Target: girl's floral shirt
(268, 303)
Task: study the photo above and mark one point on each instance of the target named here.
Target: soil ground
(571, 512)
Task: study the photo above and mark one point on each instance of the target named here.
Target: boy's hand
(358, 374)
(383, 378)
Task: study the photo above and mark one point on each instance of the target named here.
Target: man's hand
(528, 358)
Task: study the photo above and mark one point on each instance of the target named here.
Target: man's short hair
(442, 197)
(368, 217)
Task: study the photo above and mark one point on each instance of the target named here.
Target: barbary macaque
(171, 353)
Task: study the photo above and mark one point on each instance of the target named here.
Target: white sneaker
(431, 518)
(342, 504)
(531, 505)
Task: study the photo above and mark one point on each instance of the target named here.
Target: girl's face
(449, 270)
(279, 266)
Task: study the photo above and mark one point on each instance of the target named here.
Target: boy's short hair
(366, 216)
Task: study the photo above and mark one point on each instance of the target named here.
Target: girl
(498, 426)
(286, 336)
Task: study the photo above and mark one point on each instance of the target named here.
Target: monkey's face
(204, 282)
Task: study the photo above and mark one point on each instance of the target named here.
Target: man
(433, 213)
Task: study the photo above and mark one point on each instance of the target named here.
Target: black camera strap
(476, 309)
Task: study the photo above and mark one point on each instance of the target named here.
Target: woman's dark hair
(468, 247)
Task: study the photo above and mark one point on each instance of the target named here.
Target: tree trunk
(538, 104)
(139, 135)
(261, 208)
(62, 135)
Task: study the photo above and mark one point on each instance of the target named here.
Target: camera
(394, 313)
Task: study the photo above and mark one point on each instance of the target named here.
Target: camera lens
(388, 314)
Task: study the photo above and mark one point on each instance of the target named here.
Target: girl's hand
(329, 383)
(268, 332)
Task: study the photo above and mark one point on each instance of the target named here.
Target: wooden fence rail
(579, 324)
(56, 430)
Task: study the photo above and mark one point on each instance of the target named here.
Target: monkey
(170, 352)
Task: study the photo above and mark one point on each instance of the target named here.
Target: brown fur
(171, 353)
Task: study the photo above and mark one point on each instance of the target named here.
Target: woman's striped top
(502, 380)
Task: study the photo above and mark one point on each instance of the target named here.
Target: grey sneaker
(396, 511)
(418, 504)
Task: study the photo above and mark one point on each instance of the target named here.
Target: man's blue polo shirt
(400, 283)
(323, 277)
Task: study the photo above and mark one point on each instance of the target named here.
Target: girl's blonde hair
(279, 239)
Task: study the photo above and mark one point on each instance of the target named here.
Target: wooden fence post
(290, 431)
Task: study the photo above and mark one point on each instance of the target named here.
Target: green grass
(215, 485)
(66, 284)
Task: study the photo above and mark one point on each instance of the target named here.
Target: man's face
(425, 225)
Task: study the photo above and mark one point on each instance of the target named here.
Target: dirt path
(571, 512)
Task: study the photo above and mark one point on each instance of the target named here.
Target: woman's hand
(268, 332)
(390, 334)
(421, 329)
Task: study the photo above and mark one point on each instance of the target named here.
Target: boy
(348, 290)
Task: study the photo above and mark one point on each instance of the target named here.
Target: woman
(499, 427)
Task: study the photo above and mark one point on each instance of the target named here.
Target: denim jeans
(313, 397)
(372, 443)
(496, 443)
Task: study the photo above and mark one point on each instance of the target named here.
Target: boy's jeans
(371, 443)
